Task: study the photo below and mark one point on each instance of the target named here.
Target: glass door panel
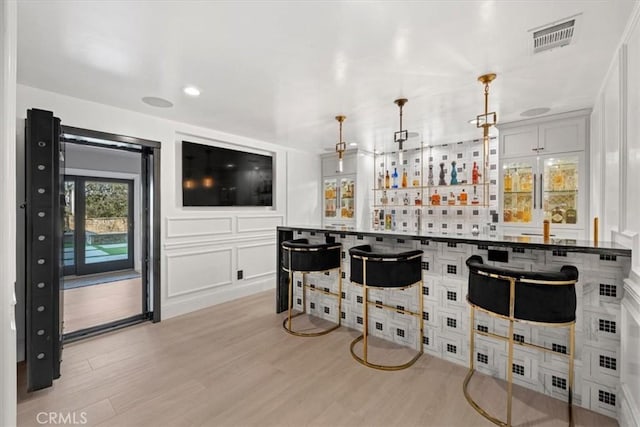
(560, 189)
(347, 198)
(330, 198)
(106, 221)
(69, 255)
(518, 182)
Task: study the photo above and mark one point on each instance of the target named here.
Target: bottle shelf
(561, 191)
(519, 192)
(425, 187)
(444, 205)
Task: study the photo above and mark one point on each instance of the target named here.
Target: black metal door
(44, 156)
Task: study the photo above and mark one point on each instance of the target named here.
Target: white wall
(615, 180)
(202, 248)
(8, 24)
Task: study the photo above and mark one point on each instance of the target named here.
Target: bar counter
(602, 269)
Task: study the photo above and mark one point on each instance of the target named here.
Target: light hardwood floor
(233, 365)
(98, 304)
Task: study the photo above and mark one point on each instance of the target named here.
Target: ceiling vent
(557, 34)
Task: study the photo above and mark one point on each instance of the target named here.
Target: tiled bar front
(446, 312)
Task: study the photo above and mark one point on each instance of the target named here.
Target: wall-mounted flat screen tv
(215, 176)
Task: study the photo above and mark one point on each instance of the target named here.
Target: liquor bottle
(571, 216)
(475, 200)
(462, 175)
(405, 199)
(380, 180)
(557, 215)
(442, 173)
(418, 200)
(386, 180)
(454, 173)
(452, 199)
(515, 180)
(570, 180)
(405, 179)
(384, 199)
(463, 197)
(526, 212)
(475, 174)
(395, 178)
(435, 198)
(557, 180)
(430, 176)
(525, 182)
(507, 182)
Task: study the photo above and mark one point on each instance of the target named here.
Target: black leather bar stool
(537, 298)
(303, 257)
(385, 271)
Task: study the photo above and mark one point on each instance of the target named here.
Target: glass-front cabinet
(541, 188)
(560, 197)
(347, 197)
(518, 191)
(330, 198)
(345, 200)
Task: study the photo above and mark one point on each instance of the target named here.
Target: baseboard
(629, 415)
(218, 296)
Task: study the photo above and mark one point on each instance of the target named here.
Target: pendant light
(341, 146)
(402, 135)
(485, 121)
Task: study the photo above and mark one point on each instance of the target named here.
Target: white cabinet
(519, 141)
(544, 170)
(555, 134)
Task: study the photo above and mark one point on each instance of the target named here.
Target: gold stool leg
(421, 312)
(572, 345)
(510, 373)
(365, 321)
(286, 323)
(290, 292)
(340, 295)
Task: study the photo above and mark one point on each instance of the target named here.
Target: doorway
(98, 225)
(109, 231)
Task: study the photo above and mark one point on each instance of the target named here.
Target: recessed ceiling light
(191, 91)
(230, 165)
(535, 112)
(157, 102)
(353, 144)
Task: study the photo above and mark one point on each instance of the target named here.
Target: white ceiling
(280, 71)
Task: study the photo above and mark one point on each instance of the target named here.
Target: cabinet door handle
(540, 148)
(534, 191)
(535, 149)
(540, 190)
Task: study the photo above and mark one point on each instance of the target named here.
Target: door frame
(150, 244)
(80, 266)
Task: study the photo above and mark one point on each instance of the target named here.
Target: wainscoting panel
(203, 226)
(195, 271)
(257, 260)
(258, 223)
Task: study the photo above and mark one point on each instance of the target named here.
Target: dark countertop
(529, 242)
